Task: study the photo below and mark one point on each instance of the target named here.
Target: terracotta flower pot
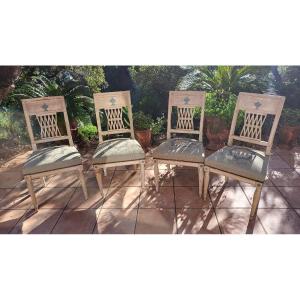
(216, 132)
(143, 137)
(288, 136)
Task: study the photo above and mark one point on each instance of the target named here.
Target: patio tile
(77, 221)
(9, 218)
(156, 221)
(279, 220)
(42, 221)
(68, 179)
(237, 221)
(9, 179)
(126, 178)
(292, 195)
(270, 197)
(164, 198)
(188, 197)
(54, 197)
(4, 192)
(229, 197)
(292, 159)
(94, 200)
(217, 180)
(165, 178)
(196, 221)
(285, 177)
(186, 177)
(16, 199)
(124, 197)
(116, 221)
(91, 181)
(276, 162)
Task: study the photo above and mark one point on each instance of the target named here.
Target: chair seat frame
(186, 101)
(252, 104)
(45, 107)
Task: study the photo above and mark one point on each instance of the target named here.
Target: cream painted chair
(117, 151)
(183, 151)
(243, 163)
(50, 160)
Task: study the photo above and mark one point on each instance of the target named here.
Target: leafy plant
(142, 121)
(88, 132)
(158, 125)
(290, 117)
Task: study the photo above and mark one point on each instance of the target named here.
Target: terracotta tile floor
(176, 208)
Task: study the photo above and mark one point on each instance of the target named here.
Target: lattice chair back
(186, 102)
(256, 107)
(45, 110)
(113, 105)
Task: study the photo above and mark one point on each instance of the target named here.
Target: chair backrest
(256, 108)
(45, 110)
(113, 104)
(186, 102)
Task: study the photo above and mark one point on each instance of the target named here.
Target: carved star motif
(45, 107)
(257, 104)
(186, 100)
(112, 101)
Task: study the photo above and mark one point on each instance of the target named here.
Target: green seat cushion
(180, 149)
(118, 150)
(242, 161)
(52, 158)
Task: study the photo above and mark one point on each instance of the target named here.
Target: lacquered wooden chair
(244, 163)
(49, 160)
(183, 151)
(116, 151)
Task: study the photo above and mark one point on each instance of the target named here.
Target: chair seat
(180, 149)
(242, 161)
(118, 150)
(52, 158)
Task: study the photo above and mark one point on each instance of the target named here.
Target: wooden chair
(117, 151)
(243, 163)
(183, 151)
(49, 160)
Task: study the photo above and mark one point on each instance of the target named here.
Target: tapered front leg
(256, 199)
(200, 175)
(83, 184)
(99, 181)
(156, 175)
(31, 192)
(206, 181)
(143, 174)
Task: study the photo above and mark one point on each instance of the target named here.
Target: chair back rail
(45, 110)
(186, 102)
(256, 108)
(113, 103)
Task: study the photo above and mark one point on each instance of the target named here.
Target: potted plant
(142, 128)
(289, 128)
(217, 122)
(157, 128)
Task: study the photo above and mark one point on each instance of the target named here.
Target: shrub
(290, 117)
(88, 133)
(142, 121)
(158, 125)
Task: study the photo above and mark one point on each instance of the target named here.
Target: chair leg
(156, 175)
(168, 167)
(143, 174)
(206, 181)
(31, 192)
(134, 168)
(200, 175)
(256, 199)
(99, 181)
(83, 184)
(105, 171)
(44, 181)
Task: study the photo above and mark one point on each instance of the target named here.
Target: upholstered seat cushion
(180, 149)
(118, 150)
(52, 158)
(240, 161)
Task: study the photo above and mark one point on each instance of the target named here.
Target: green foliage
(158, 125)
(227, 80)
(290, 117)
(153, 84)
(142, 121)
(88, 132)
